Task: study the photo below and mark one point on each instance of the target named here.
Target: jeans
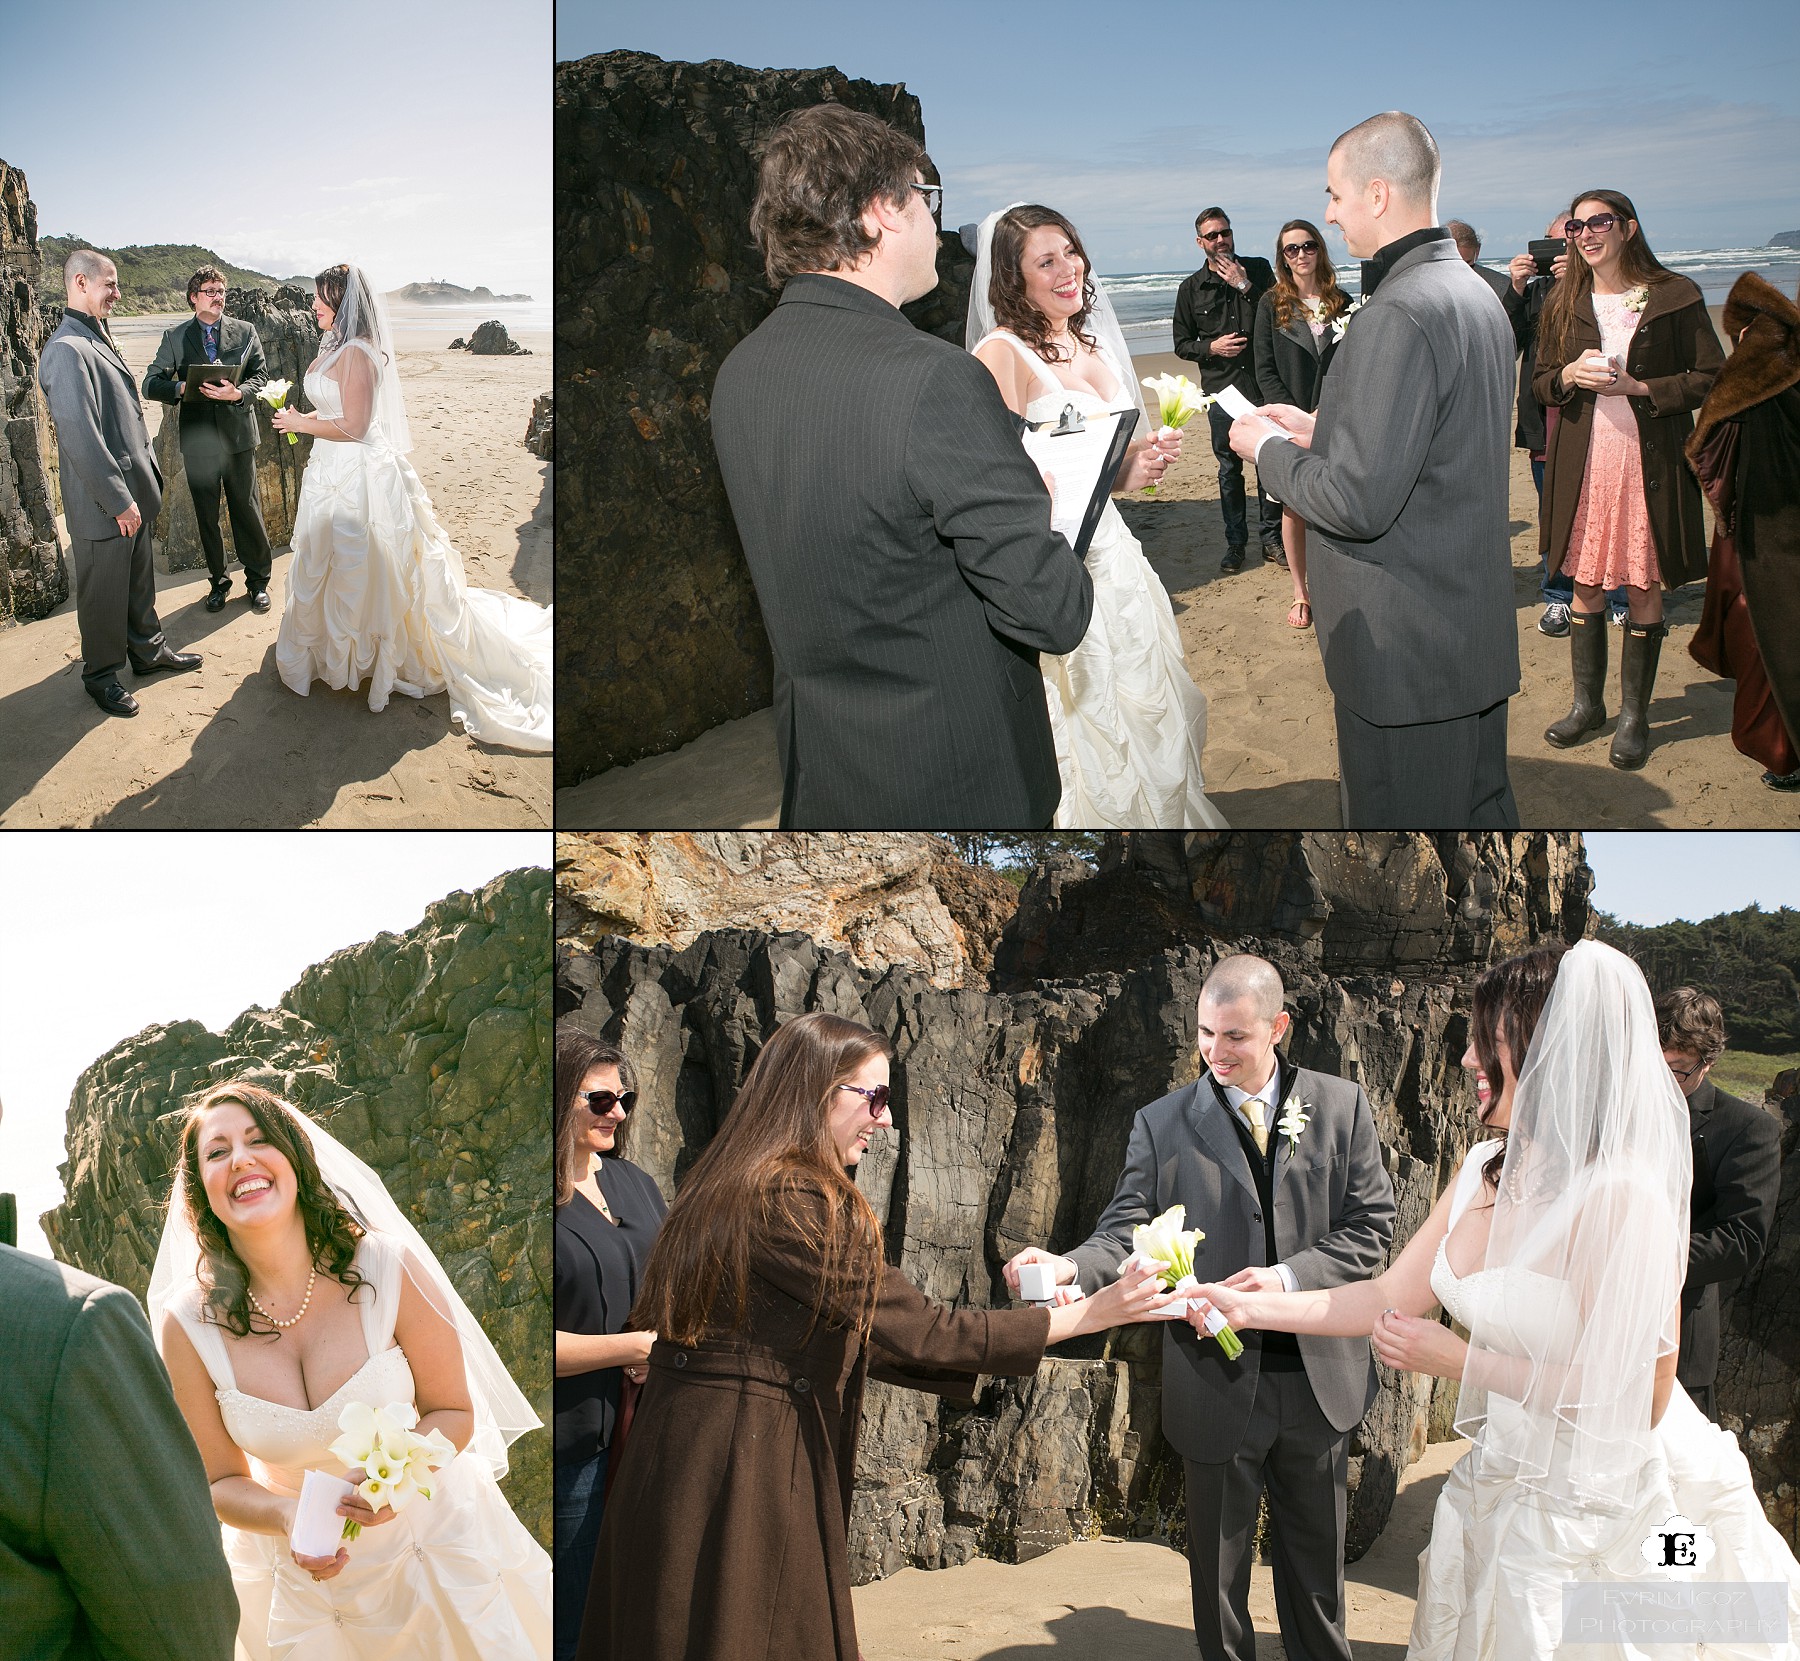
(1231, 488)
(580, 1497)
(1560, 589)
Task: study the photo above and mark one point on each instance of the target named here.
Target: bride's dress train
(1491, 1579)
(375, 591)
(453, 1578)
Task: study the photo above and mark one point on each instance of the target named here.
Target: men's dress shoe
(259, 599)
(166, 658)
(1233, 560)
(114, 699)
(1275, 554)
(215, 601)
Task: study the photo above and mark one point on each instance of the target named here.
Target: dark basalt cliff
(657, 280)
(1015, 1091)
(427, 1054)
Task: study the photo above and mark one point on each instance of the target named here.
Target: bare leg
(1646, 603)
(1293, 539)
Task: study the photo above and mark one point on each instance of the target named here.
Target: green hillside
(150, 279)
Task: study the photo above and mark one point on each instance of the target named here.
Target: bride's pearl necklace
(257, 1304)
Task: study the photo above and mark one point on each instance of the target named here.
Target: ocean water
(1145, 301)
(415, 325)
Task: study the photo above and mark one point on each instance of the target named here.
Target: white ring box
(318, 1530)
(1037, 1282)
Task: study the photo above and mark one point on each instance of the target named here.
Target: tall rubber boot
(1587, 662)
(1637, 677)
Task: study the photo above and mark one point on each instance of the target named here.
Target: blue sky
(409, 136)
(1656, 876)
(1131, 119)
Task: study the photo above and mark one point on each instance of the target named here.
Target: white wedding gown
(375, 589)
(1491, 1579)
(1128, 721)
(456, 1577)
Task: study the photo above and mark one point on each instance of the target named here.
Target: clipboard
(227, 374)
(1042, 445)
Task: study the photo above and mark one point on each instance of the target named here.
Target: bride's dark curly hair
(331, 1232)
(1508, 1003)
(1006, 286)
(333, 287)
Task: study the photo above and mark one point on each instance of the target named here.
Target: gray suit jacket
(1334, 1220)
(108, 1542)
(900, 542)
(102, 444)
(1405, 487)
(209, 429)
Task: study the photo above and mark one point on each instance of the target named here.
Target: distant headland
(448, 294)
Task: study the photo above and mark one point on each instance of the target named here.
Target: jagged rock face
(290, 340)
(33, 580)
(1014, 1110)
(491, 340)
(426, 1053)
(876, 897)
(657, 280)
(540, 431)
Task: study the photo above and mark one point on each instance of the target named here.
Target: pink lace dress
(1611, 542)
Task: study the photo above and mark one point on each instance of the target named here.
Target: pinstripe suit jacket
(900, 543)
(1405, 487)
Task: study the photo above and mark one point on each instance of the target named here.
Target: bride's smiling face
(1494, 1109)
(248, 1180)
(322, 312)
(1053, 273)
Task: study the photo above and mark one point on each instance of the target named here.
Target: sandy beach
(1129, 1600)
(229, 746)
(1271, 750)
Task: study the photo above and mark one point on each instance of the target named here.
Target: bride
(375, 587)
(1128, 721)
(288, 1285)
(1561, 1246)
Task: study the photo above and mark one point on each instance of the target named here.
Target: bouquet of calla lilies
(396, 1460)
(275, 395)
(1162, 1241)
(1178, 401)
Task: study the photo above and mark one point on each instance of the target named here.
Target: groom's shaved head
(1243, 975)
(84, 262)
(1395, 147)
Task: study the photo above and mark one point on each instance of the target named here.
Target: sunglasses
(1214, 236)
(876, 1097)
(1293, 248)
(1601, 222)
(599, 1102)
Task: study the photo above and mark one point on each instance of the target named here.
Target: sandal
(1299, 615)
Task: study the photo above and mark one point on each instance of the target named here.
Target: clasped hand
(1596, 372)
(1411, 1344)
(353, 1508)
(288, 420)
(1146, 463)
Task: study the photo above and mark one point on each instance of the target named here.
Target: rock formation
(33, 580)
(428, 1054)
(540, 431)
(490, 340)
(290, 340)
(1015, 1093)
(658, 280)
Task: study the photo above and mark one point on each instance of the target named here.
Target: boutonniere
(1341, 323)
(1637, 298)
(1295, 1117)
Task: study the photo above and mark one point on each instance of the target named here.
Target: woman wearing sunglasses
(1627, 353)
(726, 1535)
(607, 1213)
(1294, 343)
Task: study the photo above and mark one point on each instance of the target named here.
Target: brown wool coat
(726, 1530)
(1675, 353)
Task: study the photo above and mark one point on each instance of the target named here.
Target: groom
(1290, 1209)
(111, 487)
(218, 432)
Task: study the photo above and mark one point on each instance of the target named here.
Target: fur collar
(1765, 362)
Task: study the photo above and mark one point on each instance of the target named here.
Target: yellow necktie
(1253, 1112)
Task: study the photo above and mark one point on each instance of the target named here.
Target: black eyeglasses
(601, 1101)
(1213, 236)
(1682, 1073)
(934, 198)
(876, 1097)
(1293, 248)
(1601, 222)
(212, 293)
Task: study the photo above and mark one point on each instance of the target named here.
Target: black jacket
(209, 426)
(1206, 307)
(1523, 312)
(1737, 1177)
(1290, 362)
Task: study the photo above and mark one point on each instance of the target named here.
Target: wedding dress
(375, 588)
(456, 1577)
(1491, 1579)
(1128, 721)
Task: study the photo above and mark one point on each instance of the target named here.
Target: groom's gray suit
(1280, 1415)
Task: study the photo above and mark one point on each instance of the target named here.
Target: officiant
(218, 431)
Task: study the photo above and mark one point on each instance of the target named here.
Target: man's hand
(130, 520)
(1233, 273)
(1255, 1280)
(1291, 419)
(1065, 1270)
(222, 392)
(1247, 432)
(1228, 346)
(1409, 1344)
(1522, 269)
